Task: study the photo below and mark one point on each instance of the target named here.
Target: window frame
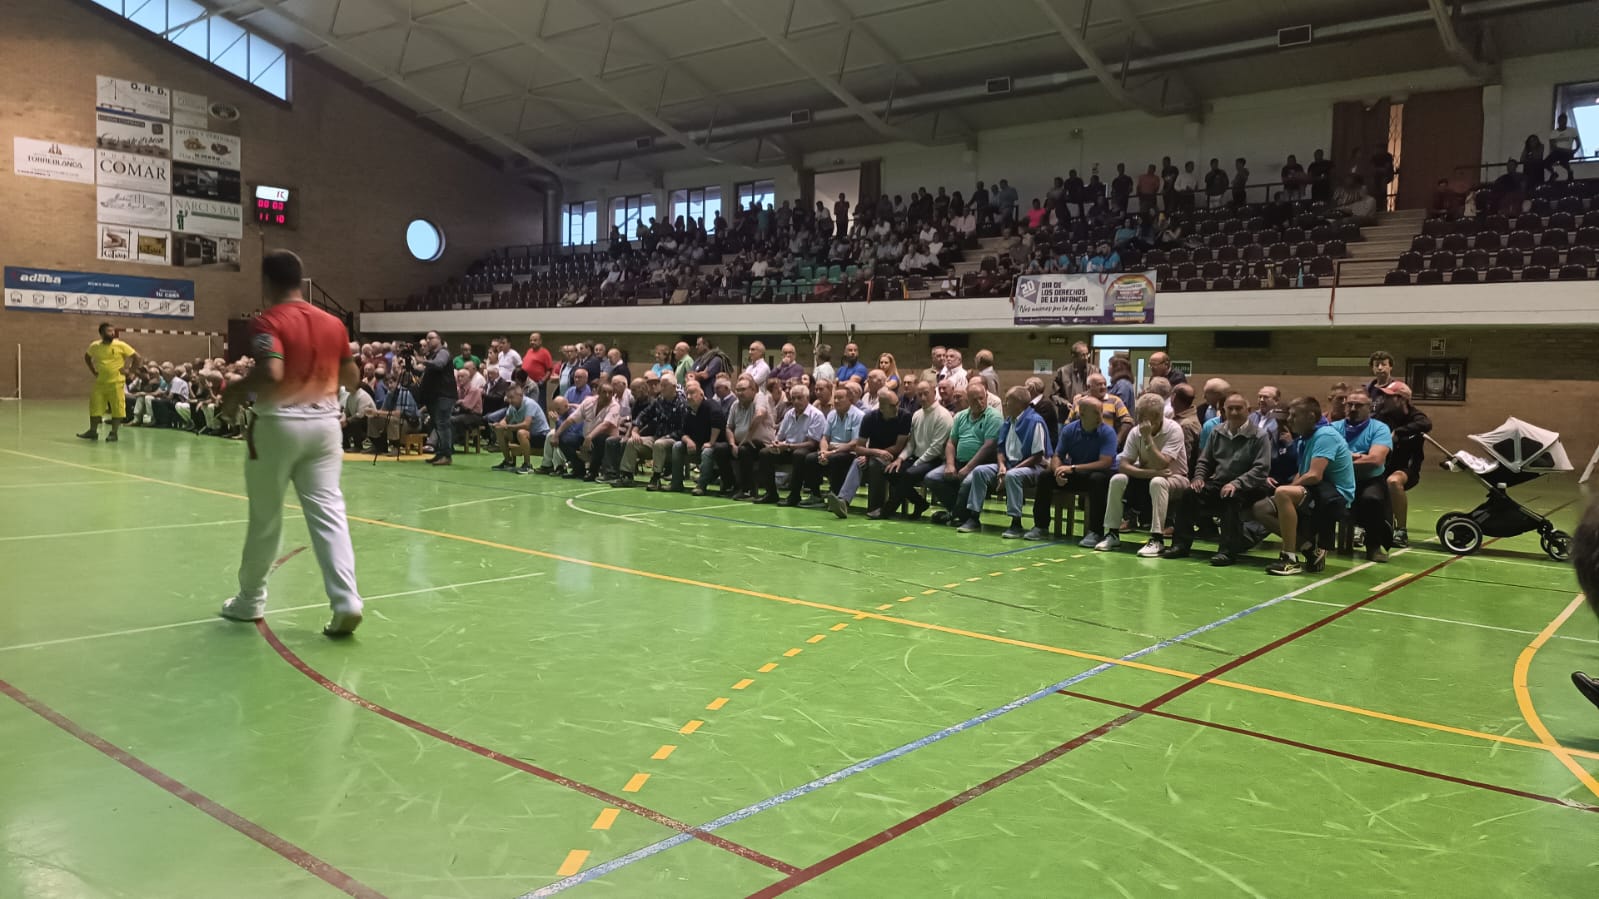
(586, 215)
(118, 11)
(684, 197)
(632, 212)
(748, 192)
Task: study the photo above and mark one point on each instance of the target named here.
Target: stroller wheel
(1459, 534)
(1557, 544)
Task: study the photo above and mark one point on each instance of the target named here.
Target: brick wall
(1542, 375)
(361, 171)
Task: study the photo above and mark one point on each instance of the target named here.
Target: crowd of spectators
(1171, 457)
(185, 395)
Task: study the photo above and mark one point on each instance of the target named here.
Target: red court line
(301, 858)
(1338, 753)
(510, 761)
(851, 852)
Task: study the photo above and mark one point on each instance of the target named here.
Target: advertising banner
(211, 218)
(135, 98)
(204, 183)
(120, 243)
(195, 111)
(131, 207)
(205, 148)
(51, 160)
(133, 172)
(131, 135)
(44, 290)
(195, 251)
(1094, 299)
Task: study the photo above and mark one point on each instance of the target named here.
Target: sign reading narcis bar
(44, 290)
(1094, 299)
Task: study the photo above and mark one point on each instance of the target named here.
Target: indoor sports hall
(831, 448)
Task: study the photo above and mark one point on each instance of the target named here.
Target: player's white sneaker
(236, 609)
(343, 624)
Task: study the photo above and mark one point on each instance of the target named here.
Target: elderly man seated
(1305, 511)
(798, 434)
(1370, 441)
(1023, 448)
(924, 451)
(657, 425)
(400, 415)
(1152, 467)
(703, 425)
(1083, 462)
(520, 426)
(354, 410)
(750, 427)
(971, 443)
(560, 419)
(884, 432)
(1230, 476)
(835, 453)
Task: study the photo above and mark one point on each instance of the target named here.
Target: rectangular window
(761, 192)
(628, 212)
(579, 221)
(212, 37)
(697, 203)
(1580, 104)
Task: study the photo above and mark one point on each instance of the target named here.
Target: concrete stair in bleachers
(1372, 258)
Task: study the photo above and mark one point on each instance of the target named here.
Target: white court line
(316, 605)
(152, 527)
(61, 484)
(1486, 627)
(576, 508)
(1390, 582)
(470, 502)
(1550, 565)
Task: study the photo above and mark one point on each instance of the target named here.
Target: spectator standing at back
(1148, 190)
(438, 394)
(841, 213)
(466, 355)
(1186, 185)
(682, 363)
(1320, 173)
(1121, 188)
(789, 370)
(1293, 178)
(1382, 175)
(824, 370)
(536, 367)
(509, 361)
(1071, 379)
(1240, 182)
(1006, 199)
(1168, 184)
(1564, 145)
(985, 370)
(1160, 367)
(1121, 379)
(1382, 372)
(851, 365)
(1215, 186)
(757, 369)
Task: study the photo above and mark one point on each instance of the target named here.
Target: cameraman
(437, 393)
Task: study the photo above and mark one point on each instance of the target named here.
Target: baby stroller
(1518, 452)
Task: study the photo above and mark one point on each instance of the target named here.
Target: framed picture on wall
(1436, 380)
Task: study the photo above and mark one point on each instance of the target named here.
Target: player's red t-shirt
(537, 363)
(313, 345)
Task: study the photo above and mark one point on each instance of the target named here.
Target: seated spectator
(1370, 442)
(1409, 425)
(835, 452)
(884, 431)
(971, 443)
(750, 428)
(788, 370)
(923, 452)
(354, 411)
(1337, 396)
(1023, 446)
(1230, 476)
(704, 422)
(798, 434)
(1446, 201)
(1083, 462)
(1357, 203)
(468, 413)
(1305, 511)
(580, 390)
(1152, 469)
(601, 417)
(520, 426)
(399, 415)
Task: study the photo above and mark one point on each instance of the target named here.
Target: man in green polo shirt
(971, 443)
(466, 356)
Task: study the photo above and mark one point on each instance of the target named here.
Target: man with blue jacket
(1024, 447)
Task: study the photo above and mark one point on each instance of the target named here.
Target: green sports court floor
(563, 687)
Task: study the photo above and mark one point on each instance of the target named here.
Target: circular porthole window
(425, 240)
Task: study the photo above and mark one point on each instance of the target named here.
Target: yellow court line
(817, 639)
(928, 592)
(828, 607)
(744, 683)
(792, 653)
(1524, 698)
(839, 626)
(574, 862)
(717, 703)
(769, 666)
(635, 783)
(605, 820)
(663, 752)
(691, 727)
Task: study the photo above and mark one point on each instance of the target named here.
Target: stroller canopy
(1521, 447)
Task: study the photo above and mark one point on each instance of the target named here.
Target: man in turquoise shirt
(1370, 441)
(1324, 487)
(971, 443)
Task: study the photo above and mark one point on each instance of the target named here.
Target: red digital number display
(271, 212)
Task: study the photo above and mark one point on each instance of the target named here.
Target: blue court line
(772, 802)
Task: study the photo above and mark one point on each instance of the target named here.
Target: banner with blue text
(1127, 298)
(88, 293)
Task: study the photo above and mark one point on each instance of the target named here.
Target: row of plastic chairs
(1516, 240)
(1446, 260)
(1496, 275)
(1527, 221)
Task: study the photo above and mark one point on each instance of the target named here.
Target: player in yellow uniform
(107, 358)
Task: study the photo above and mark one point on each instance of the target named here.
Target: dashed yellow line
(691, 727)
(817, 639)
(605, 820)
(635, 783)
(928, 592)
(768, 667)
(840, 626)
(885, 606)
(952, 586)
(574, 862)
(717, 703)
(792, 653)
(744, 683)
(665, 751)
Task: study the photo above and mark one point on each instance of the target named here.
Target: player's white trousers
(307, 452)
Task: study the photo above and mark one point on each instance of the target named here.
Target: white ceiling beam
(558, 56)
(1449, 36)
(1079, 47)
(1130, 16)
(652, 53)
(827, 82)
(857, 26)
(399, 81)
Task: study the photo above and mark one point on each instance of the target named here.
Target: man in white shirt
(1187, 184)
(1154, 463)
(798, 434)
(509, 359)
(930, 429)
(757, 368)
(952, 369)
(1564, 144)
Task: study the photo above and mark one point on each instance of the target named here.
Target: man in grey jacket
(1228, 478)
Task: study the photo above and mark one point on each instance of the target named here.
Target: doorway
(839, 181)
(1136, 347)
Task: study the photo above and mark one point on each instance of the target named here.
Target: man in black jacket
(438, 394)
(1229, 478)
(1409, 424)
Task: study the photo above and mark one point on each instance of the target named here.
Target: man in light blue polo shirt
(1324, 487)
(1370, 441)
(521, 425)
(836, 452)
